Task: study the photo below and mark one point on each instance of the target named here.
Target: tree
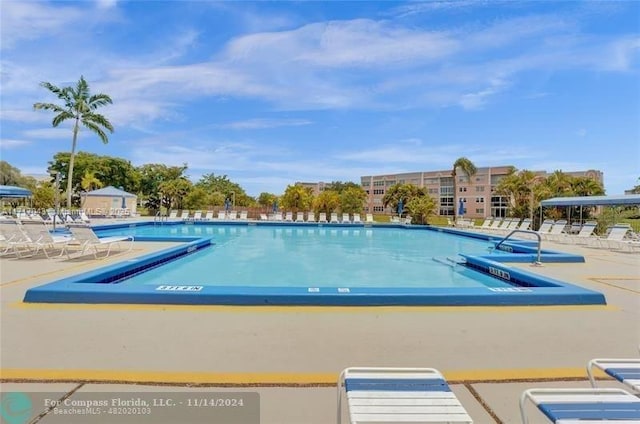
(43, 196)
(151, 177)
(297, 197)
(421, 208)
(468, 169)
(636, 189)
(340, 186)
(174, 192)
(107, 170)
(79, 106)
(404, 192)
(212, 183)
(327, 202)
(10, 175)
(352, 199)
(267, 199)
(89, 182)
(585, 186)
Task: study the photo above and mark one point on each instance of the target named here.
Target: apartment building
(477, 192)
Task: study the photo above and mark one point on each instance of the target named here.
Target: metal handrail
(159, 217)
(538, 261)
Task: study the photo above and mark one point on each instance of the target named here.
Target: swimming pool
(311, 264)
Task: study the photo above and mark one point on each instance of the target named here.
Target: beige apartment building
(477, 192)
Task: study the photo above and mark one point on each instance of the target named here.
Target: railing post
(538, 261)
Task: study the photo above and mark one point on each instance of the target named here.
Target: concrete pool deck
(292, 355)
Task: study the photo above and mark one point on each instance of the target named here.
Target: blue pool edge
(93, 287)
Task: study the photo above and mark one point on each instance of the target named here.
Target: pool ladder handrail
(160, 218)
(538, 261)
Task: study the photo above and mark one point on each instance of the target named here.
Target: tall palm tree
(78, 105)
(469, 169)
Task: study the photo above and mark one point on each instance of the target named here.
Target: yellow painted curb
(273, 378)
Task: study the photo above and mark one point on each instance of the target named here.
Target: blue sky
(270, 93)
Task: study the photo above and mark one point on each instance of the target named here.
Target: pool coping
(528, 288)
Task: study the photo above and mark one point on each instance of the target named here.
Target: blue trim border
(109, 284)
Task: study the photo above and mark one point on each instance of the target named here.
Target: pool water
(297, 256)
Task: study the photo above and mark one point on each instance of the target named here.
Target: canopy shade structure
(13, 192)
(615, 200)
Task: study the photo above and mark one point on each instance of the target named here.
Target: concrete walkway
(291, 356)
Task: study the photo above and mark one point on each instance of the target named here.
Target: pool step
(451, 261)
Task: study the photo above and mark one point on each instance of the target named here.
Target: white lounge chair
(232, 215)
(87, 239)
(589, 406)
(222, 215)
(185, 214)
(525, 225)
(322, 217)
(556, 231)
(244, 215)
(545, 227)
(393, 395)
(12, 238)
(614, 239)
(311, 216)
(495, 224)
(208, 216)
(264, 217)
(356, 218)
(485, 224)
(299, 216)
(277, 216)
(626, 371)
(173, 214)
(582, 237)
(288, 216)
(346, 219)
(41, 239)
(369, 218)
(334, 218)
(197, 215)
(84, 218)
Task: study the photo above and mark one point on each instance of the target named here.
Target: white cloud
(478, 99)
(252, 124)
(106, 4)
(7, 143)
(29, 20)
(63, 132)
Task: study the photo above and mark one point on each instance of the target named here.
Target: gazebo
(13, 192)
(108, 199)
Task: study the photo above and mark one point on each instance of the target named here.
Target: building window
(446, 190)
(433, 191)
(462, 189)
(480, 210)
(479, 199)
(378, 208)
(378, 183)
(479, 188)
(378, 191)
(499, 206)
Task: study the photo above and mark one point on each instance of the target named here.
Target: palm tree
(469, 169)
(79, 105)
